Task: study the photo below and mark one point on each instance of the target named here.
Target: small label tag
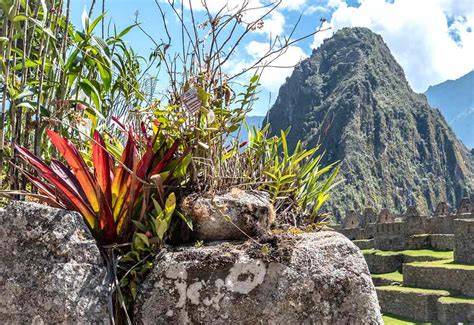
(191, 100)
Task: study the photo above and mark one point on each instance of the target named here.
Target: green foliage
(295, 178)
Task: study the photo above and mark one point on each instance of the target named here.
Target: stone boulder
(51, 268)
(235, 214)
(309, 278)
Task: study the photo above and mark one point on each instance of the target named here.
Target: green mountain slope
(353, 98)
(455, 99)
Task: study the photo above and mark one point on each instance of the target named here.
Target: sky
(433, 40)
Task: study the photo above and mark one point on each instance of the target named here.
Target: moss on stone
(414, 290)
(448, 264)
(456, 300)
(394, 276)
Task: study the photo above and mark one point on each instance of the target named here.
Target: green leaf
(94, 23)
(92, 92)
(137, 243)
(105, 75)
(139, 225)
(126, 30)
(254, 79)
(26, 105)
(42, 27)
(144, 238)
(158, 208)
(186, 219)
(25, 93)
(161, 227)
(19, 18)
(183, 166)
(170, 205)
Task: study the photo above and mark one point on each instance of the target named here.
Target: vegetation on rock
(93, 137)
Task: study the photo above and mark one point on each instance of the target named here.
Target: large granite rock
(311, 278)
(235, 214)
(51, 270)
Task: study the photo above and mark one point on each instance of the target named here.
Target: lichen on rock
(306, 278)
(51, 269)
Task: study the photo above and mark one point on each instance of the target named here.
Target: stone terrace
(422, 266)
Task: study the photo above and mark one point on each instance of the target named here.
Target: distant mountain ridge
(455, 99)
(352, 97)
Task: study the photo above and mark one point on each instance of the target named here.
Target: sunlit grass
(461, 300)
(414, 290)
(448, 264)
(394, 276)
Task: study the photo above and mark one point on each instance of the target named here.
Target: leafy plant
(109, 197)
(295, 181)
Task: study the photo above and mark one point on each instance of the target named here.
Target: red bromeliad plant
(109, 197)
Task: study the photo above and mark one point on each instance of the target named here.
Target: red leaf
(61, 185)
(166, 159)
(78, 166)
(101, 160)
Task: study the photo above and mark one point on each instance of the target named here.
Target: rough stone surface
(464, 241)
(364, 243)
(379, 264)
(232, 215)
(51, 269)
(442, 242)
(312, 278)
(455, 312)
(416, 304)
(459, 280)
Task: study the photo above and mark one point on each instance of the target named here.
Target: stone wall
(364, 243)
(440, 224)
(379, 264)
(409, 230)
(442, 242)
(435, 277)
(464, 241)
(416, 304)
(390, 236)
(454, 311)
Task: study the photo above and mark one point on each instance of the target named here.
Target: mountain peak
(352, 97)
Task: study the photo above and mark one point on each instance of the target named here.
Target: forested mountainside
(352, 97)
(455, 99)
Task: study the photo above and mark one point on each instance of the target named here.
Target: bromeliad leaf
(170, 206)
(161, 227)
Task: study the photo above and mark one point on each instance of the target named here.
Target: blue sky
(433, 40)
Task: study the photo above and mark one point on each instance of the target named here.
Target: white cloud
(280, 65)
(292, 4)
(418, 35)
(273, 23)
(335, 3)
(314, 9)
